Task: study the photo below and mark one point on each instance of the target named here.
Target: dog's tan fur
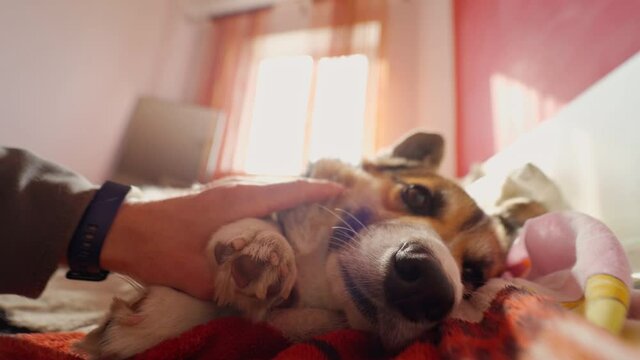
(258, 266)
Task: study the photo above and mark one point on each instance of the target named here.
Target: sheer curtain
(299, 81)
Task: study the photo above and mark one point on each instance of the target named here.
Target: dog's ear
(513, 213)
(417, 150)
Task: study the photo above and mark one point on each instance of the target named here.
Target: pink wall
(553, 48)
(71, 72)
(420, 68)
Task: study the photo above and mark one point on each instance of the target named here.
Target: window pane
(276, 137)
(337, 128)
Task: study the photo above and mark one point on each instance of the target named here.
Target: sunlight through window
(287, 130)
(516, 109)
(276, 137)
(337, 125)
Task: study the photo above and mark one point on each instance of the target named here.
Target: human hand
(163, 242)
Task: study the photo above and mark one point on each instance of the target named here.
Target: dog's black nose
(416, 284)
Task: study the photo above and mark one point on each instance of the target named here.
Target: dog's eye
(418, 199)
(473, 274)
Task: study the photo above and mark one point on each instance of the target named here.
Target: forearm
(41, 204)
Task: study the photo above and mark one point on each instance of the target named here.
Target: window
(306, 107)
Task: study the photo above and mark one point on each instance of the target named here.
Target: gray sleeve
(41, 204)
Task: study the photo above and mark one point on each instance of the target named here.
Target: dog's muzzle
(416, 284)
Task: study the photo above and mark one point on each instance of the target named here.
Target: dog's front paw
(254, 266)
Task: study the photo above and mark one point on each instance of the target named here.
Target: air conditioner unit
(200, 9)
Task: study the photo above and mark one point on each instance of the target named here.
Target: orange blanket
(516, 324)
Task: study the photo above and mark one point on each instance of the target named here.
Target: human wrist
(116, 250)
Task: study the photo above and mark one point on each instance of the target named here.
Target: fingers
(261, 200)
(256, 199)
(285, 195)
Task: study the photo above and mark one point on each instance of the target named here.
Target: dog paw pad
(274, 289)
(222, 252)
(254, 266)
(238, 243)
(274, 259)
(245, 269)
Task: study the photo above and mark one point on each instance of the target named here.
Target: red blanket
(516, 324)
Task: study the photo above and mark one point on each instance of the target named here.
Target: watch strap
(83, 253)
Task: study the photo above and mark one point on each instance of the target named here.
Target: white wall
(71, 71)
(591, 149)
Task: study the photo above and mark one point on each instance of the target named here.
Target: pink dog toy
(578, 261)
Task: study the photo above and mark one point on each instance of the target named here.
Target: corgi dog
(394, 254)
